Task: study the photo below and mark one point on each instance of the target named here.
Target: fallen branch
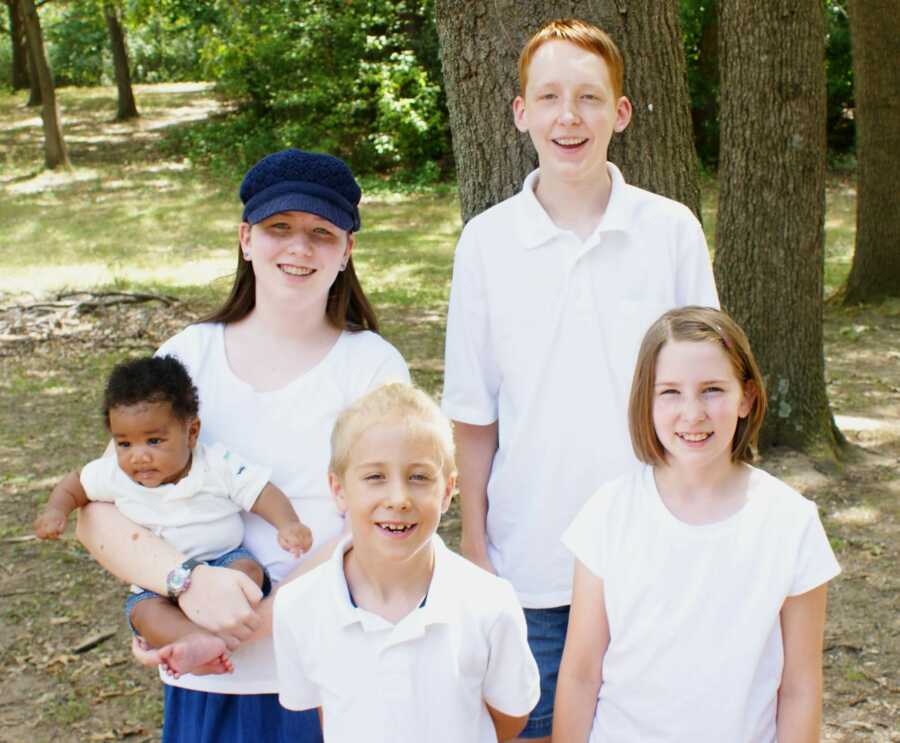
(93, 641)
(126, 296)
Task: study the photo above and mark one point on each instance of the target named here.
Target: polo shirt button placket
(580, 284)
(397, 691)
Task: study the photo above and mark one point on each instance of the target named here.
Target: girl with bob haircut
(694, 324)
(698, 609)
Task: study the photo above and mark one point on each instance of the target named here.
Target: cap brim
(300, 202)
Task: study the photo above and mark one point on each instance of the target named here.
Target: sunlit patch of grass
(840, 232)
(856, 515)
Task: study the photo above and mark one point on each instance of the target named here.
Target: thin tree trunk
(127, 109)
(480, 45)
(55, 151)
(19, 71)
(34, 94)
(875, 35)
(769, 260)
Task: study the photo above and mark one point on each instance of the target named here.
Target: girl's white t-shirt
(289, 431)
(695, 648)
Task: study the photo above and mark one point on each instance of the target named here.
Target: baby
(186, 492)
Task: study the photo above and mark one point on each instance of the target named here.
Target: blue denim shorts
(222, 561)
(546, 638)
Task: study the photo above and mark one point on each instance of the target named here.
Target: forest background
(364, 80)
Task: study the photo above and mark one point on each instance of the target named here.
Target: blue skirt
(208, 717)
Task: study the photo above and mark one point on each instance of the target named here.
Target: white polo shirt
(543, 331)
(425, 678)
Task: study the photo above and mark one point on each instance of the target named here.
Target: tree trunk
(480, 45)
(55, 153)
(769, 260)
(34, 94)
(875, 35)
(19, 73)
(127, 109)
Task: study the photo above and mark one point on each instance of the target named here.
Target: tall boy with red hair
(552, 292)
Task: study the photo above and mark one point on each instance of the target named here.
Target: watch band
(179, 579)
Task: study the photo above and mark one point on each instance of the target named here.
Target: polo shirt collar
(438, 604)
(536, 227)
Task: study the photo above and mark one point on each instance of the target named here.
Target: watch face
(179, 578)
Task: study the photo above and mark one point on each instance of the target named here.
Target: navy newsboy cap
(298, 181)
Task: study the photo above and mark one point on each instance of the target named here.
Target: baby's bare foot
(222, 664)
(191, 652)
(143, 653)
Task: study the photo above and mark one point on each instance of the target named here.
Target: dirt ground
(64, 647)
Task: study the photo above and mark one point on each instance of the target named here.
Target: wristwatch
(179, 579)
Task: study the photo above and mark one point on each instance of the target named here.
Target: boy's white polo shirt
(543, 331)
(425, 678)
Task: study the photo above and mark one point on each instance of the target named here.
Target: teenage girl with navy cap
(294, 343)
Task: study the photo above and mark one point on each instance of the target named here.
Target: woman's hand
(222, 601)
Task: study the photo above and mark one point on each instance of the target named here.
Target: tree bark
(127, 109)
(34, 94)
(480, 44)
(19, 72)
(55, 153)
(769, 261)
(875, 35)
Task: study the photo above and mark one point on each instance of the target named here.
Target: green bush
(358, 79)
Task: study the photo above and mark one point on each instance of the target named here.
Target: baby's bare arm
(273, 505)
(64, 498)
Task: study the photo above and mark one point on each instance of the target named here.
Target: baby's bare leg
(183, 646)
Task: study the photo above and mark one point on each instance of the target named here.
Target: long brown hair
(347, 307)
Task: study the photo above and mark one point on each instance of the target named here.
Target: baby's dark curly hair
(151, 379)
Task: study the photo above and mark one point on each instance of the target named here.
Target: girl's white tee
(695, 648)
(288, 430)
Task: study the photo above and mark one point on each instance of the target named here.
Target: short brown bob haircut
(581, 34)
(393, 403)
(696, 324)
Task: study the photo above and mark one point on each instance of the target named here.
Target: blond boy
(396, 638)
(552, 292)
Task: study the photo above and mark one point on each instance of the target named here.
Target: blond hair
(694, 324)
(583, 35)
(392, 403)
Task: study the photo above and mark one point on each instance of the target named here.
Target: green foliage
(839, 66)
(162, 46)
(77, 43)
(699, 26)
(358, 79)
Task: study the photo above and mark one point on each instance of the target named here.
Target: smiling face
(295, 254)
(570, 111)
(153, 446)
(697, 403)
(393, 491)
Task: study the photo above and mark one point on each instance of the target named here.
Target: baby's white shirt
(199, 514)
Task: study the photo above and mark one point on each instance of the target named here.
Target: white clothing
(289, 430)
(542, 334)
(425, 678)
(695, 651)
(200, 514)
